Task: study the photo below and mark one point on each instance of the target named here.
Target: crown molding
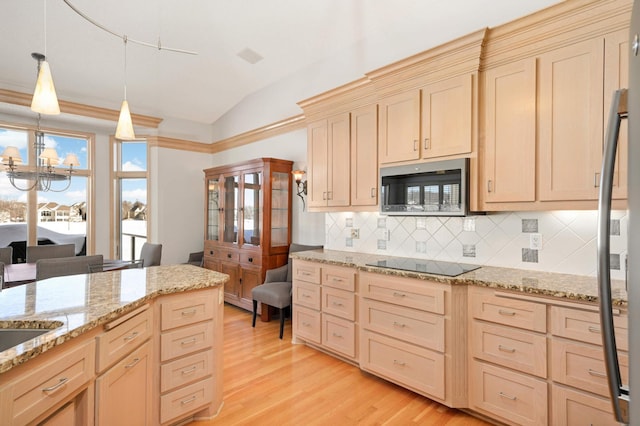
(67, 107)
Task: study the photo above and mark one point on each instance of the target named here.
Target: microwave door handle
(619, 393)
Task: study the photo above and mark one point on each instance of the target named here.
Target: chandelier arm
(13, 183)
(124, 37)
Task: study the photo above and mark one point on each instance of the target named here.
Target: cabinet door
(339, 169)
(510, 133)
(399, 127)
(317, 151)
(446, 117)
(616, 76)
(251, 207)
(364, 156)
(123, 394)
(213, 209)
(231, 287)
(249, 279)
(570, 121)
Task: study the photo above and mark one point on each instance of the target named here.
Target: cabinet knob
(250, 259)
(211, 252)
(229, 255)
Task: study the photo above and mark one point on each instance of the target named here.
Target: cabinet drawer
(306, 294)
(513, 396)
(485, 305)
(251, 259)
(413, 293)
(186, 370)
(123, 394)
(340, 278)
(306, 324)
(189, 308)
(413, 326)
(53, 382)
(583, 367)
(123, 338)
(306, 271)
(340, 303)
(585, 326)
(409, 365)
(228, 255)
(186, 340)
(339, 334)
(185, 400)
(570, 407)
(520, 350)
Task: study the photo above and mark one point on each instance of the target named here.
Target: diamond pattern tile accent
(496, 239)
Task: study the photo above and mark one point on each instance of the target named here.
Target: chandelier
(45, 171)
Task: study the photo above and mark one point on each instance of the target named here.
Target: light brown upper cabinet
(364, 156)
(570, 113)
(510, 117)
(328, 145)
(431, 122)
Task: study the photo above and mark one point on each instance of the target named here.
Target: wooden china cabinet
(247, 223)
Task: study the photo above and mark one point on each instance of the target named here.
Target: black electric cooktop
(436, 267)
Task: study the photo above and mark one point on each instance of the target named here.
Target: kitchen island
(113, 338)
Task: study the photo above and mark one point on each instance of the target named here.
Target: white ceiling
(292, 35)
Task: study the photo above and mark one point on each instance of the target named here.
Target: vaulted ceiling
(291, 36)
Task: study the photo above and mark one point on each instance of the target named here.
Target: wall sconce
(302, 186)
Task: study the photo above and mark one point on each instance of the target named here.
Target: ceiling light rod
(158, 46)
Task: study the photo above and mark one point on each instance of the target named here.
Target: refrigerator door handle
(619, 393)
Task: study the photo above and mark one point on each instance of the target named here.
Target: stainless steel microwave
(436, 188)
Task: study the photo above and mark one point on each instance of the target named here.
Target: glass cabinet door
(279, 209)
(252, 187)
(230, 234)
(213, 210)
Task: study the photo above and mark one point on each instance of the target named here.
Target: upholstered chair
(49, 251)
(151, 254)
(276, 289)
(63, 266)
(6, 255)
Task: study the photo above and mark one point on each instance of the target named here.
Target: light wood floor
(270, 381)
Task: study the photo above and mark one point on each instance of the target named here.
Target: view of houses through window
(61, 215)
(131, 184)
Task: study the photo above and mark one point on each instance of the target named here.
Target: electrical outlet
(355, 233)
(535, 241)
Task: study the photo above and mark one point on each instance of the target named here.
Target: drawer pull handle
(188, 401)
(396, 294)
(339, 280)
(506, 313)
(131, 336)
(188, 313)
(506, 349)
(306, 274)
(337, 335)
(337, 304)
(188, 342)
(504, 395)
(400, 363)
(57, 386)
(189, 370)
(133, 363)
(596, 373)
(306, 324)
(306, 295)
(399, 324)
(594, 329)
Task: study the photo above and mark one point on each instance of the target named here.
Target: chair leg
(255, 312)
(281, 322)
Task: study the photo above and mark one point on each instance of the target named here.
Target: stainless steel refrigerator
(626, 105)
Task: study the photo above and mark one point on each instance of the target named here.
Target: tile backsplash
(566, 239)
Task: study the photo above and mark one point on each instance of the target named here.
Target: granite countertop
(75, 304)
(573, 287)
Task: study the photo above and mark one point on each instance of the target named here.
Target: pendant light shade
(124, 130)
(45, 100)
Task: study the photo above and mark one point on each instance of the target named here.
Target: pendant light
(124, 129)
(45, 100)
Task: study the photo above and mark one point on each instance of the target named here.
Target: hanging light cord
(158, 46)
(125, 38)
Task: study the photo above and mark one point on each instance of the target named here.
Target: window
(130, 179)
(54, 216)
